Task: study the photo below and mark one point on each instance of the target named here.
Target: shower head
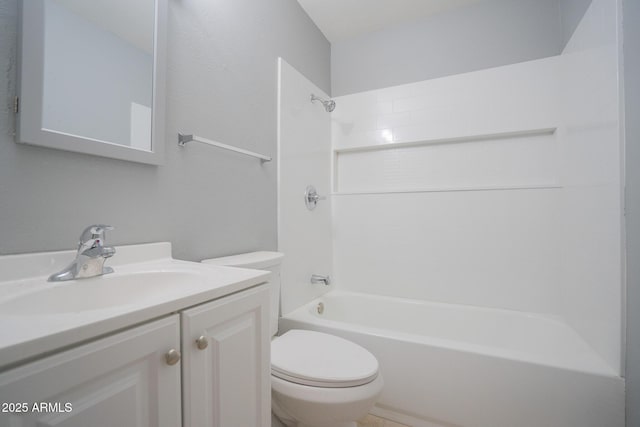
(329, 105)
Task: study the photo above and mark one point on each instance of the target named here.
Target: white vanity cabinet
(226, 361)
(128, 380)
(122, 380)
(94, 352)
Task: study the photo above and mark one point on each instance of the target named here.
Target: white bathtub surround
(448, 364)
(591, 214)
(496, 196)
(493, 161)
(304, 158)
(468, 212)
(498, 188)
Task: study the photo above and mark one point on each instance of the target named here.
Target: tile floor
(373, 421)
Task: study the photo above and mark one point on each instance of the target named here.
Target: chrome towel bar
(184, 138)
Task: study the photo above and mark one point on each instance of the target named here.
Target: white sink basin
(37, 316)
(115, 290)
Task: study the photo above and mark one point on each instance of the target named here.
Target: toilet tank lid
(260, 259)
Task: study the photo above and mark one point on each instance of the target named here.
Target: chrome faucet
(318, 278)
(92, 253)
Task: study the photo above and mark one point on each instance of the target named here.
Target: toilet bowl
(317, 379)
(320, 380)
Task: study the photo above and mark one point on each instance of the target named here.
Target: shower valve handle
(311, 197)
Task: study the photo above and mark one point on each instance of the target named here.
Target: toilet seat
(321, 360)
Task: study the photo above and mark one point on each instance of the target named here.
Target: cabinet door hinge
(16, 104)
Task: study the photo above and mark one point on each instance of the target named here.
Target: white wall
(476, 199)
(631, 43)
(304, 153)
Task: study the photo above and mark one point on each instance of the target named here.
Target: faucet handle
(93, 232)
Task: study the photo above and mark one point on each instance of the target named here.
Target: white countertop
(27, 332)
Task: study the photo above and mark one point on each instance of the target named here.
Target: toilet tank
(262, 260)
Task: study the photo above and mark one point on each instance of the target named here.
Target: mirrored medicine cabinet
(92, 77)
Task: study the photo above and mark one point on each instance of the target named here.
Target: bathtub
(453, 365)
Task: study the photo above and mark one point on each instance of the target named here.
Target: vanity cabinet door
(122, 380)
(226, 362)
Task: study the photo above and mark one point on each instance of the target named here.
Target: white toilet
(317, 379)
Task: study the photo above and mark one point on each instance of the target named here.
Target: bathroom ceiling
(343, 19)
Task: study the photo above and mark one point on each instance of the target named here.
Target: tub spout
(318, 278)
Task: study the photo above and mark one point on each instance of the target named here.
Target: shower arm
(329, 104)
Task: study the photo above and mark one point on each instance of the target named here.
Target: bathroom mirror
(92, 77)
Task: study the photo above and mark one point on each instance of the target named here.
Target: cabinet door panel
(121, 381)
(228, 382)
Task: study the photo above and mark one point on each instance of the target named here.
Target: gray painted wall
(222, 85)
(483, 35)
(571, 12)
(631, 46)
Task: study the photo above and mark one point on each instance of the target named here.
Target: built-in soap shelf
(514, 160)
(448, 140)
